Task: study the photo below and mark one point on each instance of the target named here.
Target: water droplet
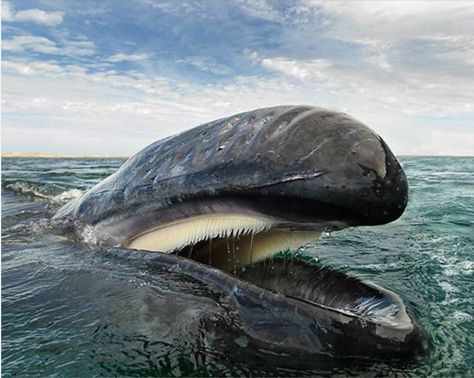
(190, 253)
(233, 254)
(251, 247)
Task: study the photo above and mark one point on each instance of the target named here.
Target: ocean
(68, 309)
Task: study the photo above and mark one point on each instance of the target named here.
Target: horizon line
(40, 155)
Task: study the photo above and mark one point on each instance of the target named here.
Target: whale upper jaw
(262, 220)
(282, 174)
(296, 162)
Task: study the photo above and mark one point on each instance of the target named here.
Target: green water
(69, 311)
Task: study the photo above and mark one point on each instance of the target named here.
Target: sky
(110, 77)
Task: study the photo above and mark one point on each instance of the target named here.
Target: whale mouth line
(249, 247)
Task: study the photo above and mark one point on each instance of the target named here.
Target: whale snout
(389, 196)
(348, 175)
(375, 196)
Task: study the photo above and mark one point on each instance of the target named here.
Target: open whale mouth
(227, 241)
(247, 246)
(247, 249)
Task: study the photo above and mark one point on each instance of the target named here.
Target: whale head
(230, 194)
(272, 178)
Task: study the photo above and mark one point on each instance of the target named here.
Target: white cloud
(395, 20)
(197, 9)
(33, 68)
(262, 9)
(205, 65)
(80, 47)
(6, 12)
(142, 109)
(385, 26)
(409, 93)
(29, 43)
(120, 57)
(31, 15)
(300, 69)
(40, 17)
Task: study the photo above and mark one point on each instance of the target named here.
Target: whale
(221, 201)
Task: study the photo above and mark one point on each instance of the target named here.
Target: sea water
(68, 309)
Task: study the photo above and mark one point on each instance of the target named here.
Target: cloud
(33, 68)
(300, 69)
(409, 92)
(30, 43)
(262, 9)
(205, 65)
(80, 47)
(404, 69)
(141, 109)
(382, 28)
(6, 12)
(196, 9)
(31, 15)
(144, 108)
(395, 20)
(121, 57)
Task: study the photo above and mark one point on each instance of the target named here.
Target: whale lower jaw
(231, 241)
(225, 240)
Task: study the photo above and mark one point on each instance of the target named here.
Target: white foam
(66, 196)
(461, 316)
(464, 267)
(89, 235)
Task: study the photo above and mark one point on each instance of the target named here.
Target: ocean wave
(465, 267)
(25, 187)
(461, 316)
(53, 193)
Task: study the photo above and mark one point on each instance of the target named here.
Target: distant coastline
(36, 155)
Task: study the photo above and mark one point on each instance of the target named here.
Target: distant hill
(56, 156)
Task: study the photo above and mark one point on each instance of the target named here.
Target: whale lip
(343, 307)
(319, 311)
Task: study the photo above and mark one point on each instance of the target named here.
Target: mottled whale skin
(306, 168)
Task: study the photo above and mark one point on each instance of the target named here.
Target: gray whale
(218, 201)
